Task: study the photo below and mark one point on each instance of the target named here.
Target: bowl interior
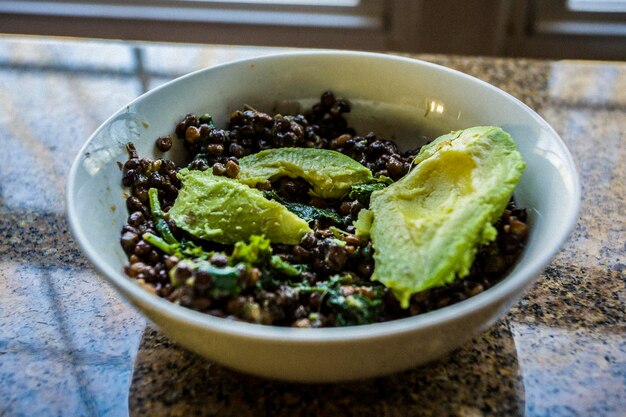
(396, 97)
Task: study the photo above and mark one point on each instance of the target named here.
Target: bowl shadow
(480, 378)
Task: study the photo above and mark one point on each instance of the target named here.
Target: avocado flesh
(330, 173)
(427, 226)
(222, 210)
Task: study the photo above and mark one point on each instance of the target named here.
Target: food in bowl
(296, 220)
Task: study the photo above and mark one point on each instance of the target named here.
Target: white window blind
(605, 18)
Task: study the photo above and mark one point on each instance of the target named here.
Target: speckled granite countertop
(69, 346)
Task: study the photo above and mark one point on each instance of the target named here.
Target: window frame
(371, 25)
(539, 27)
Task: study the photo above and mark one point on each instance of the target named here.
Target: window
(358, 24)
(581, 17)
(593, 29)
(607, 6)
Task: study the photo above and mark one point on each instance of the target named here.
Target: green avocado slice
(330, 173)
(426, 227)
(223, 210)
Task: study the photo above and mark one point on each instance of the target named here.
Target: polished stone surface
(70, 346)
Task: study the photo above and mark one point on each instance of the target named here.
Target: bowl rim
(510, 284)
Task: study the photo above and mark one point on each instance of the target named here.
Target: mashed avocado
(426, 227)
(330, 173)
(222, 210)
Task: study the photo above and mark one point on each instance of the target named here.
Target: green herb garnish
(304, 211)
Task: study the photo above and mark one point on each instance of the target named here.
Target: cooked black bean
(136, 218)
(346, 207)
(142, 248)
(192, 134)
(132, 163)
(219, 259)
(199, 164)
(236, 150)
(129, 177)
(128, 241)
(232, 169)
(204, 131)
(395, 168)
(133, 203)
(164, 143)
(219, 169)
(170, 262)
(215, 149)
(301, 255)
(129, 228)
(144, 164)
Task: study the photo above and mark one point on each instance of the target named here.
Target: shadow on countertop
(482, 378)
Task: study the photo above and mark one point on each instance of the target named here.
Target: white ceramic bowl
(394, 96)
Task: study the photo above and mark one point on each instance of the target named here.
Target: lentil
(331, 264)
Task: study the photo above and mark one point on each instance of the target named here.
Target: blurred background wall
(592, 29)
